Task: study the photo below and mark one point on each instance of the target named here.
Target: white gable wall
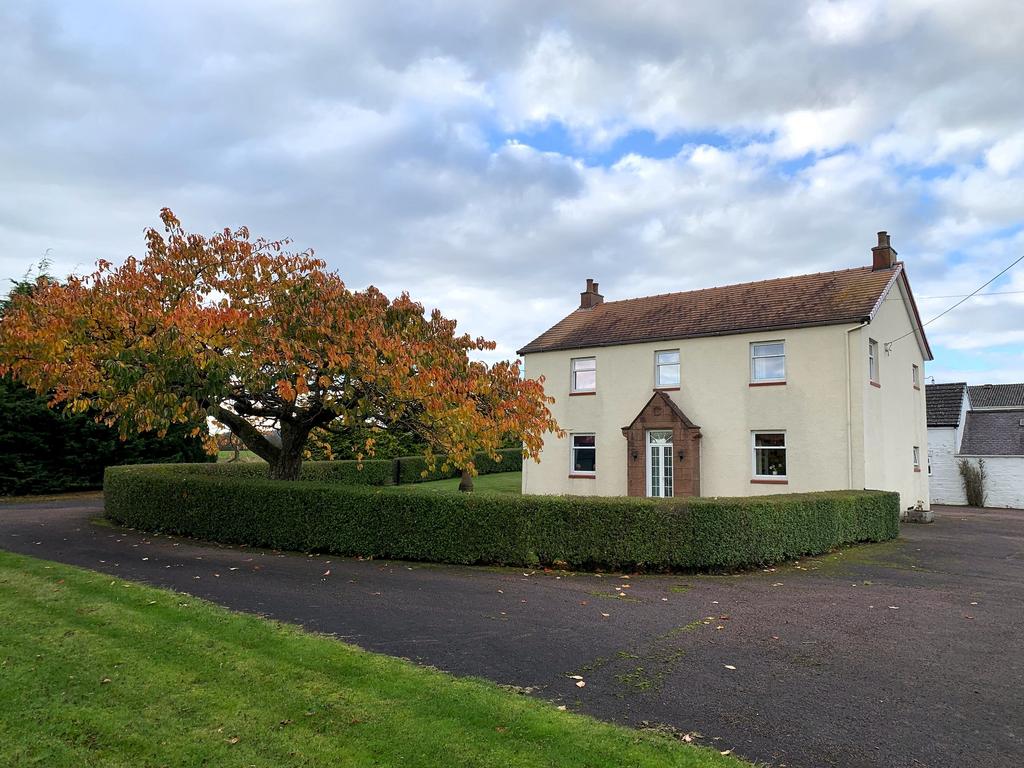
(944, 444)
(946, 485)
(894, 418)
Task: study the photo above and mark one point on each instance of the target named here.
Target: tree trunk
(466, 483)
(283, 452)
(288, 465)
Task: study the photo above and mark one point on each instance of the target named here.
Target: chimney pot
(590, 298)
(883, 255)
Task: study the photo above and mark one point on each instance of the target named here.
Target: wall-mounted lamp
(636, 455)
(682, 454)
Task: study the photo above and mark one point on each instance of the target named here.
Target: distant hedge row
(408, 469)
(583, 532)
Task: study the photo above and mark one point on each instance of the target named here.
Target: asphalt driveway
(909, 653)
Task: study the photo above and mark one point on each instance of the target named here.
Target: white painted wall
(894, 417)
(946, 485)
(812, 407)
(1004, 484)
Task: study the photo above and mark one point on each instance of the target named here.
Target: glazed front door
(659, 462)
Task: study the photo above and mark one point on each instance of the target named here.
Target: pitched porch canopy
(660, 414)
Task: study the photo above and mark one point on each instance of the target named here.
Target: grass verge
(504, 483)
(96, 671)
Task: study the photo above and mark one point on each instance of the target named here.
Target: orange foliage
(257, 336)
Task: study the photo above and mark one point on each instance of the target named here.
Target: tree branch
(254, 439)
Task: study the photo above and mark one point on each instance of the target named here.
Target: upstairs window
(917, 459)
(584, 374)
(873, 361)
(770, 455)
(915, 372)
(666, 368)
(768, 361)
(584, 455)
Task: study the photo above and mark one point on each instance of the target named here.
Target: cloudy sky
(490, 156)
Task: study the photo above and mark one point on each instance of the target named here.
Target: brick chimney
(590, 298)
(883, 255)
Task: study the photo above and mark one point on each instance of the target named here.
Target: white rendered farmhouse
(805, 383)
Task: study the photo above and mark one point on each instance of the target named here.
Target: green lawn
(243, 456)
(96, 671)
(499, 482)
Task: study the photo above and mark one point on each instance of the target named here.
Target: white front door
(659, 462)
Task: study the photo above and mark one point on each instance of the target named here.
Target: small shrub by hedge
(411, 469)
(584, 532)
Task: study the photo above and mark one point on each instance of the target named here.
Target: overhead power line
(966, 295)
(954, 306)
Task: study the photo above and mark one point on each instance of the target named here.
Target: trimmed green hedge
(583, 532)
(408, 469)
(411, 468)
(373, 472)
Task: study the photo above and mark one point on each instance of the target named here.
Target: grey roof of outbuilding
(943, 403)
(993, 433)
(997, 396)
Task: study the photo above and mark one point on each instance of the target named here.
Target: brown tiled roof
(826, 298)
(943, 402)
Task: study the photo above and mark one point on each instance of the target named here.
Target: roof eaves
(677, 337)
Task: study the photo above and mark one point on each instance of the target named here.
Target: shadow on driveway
(902, 654)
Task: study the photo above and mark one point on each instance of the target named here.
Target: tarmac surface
(896, 655)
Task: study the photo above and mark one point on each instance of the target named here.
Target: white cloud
(380, 139)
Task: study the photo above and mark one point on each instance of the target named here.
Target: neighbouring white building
(979, 422)
(804, 383)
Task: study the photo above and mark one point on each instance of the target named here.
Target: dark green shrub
(411, 469)
(47, 451)
(585, 532)
(974, 477)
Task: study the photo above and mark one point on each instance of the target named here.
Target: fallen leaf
(104, 681)
(606, 615)
(560, 707)
(580, 683)
(575, 677)
(232, 740)
(729, 666)
(327, 572)
(726, 752)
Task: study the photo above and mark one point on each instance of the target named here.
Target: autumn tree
(269, 343)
